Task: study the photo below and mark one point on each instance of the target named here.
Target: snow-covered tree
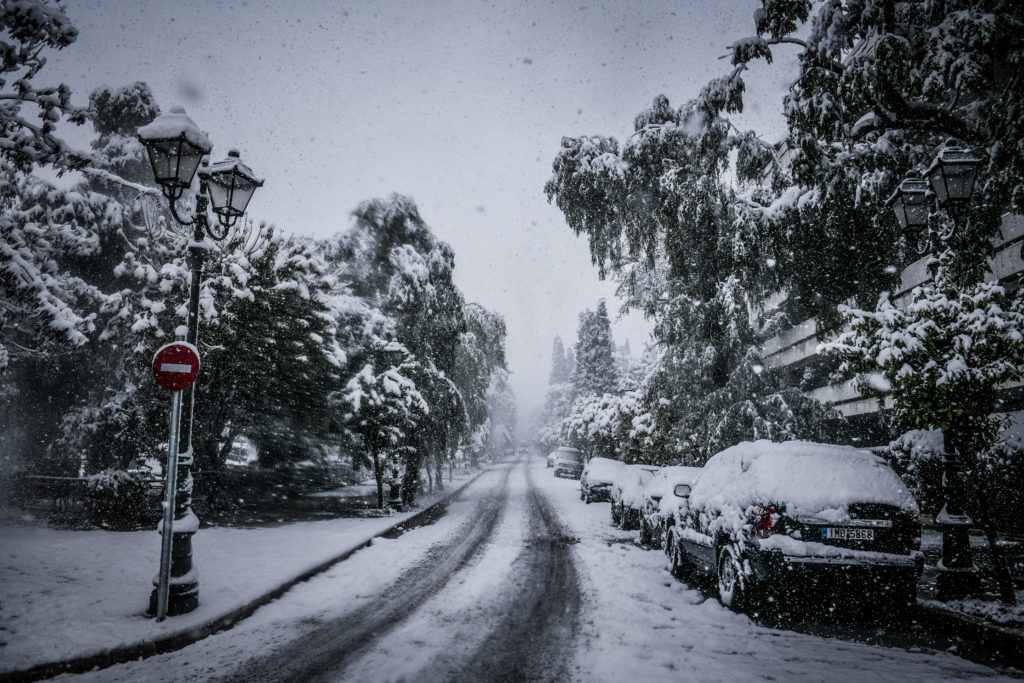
(880, 86)
(595, 372)
(382, 406)
(944, 358)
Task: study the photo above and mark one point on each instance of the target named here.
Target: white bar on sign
(175, 367)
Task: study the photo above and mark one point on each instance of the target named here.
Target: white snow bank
(73, 593)
(805, 477)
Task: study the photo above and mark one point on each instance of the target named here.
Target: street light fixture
(911, 203)
(953, 172)
(176, 148)
(951, 177)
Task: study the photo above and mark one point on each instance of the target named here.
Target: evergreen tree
(595, 372)
(560, 369)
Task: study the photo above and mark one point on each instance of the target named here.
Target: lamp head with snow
(911, 203)
(231, 185)
(953, 172)
(176, 146)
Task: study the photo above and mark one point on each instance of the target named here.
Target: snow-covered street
(520, 580)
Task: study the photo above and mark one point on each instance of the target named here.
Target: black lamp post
(950, 182)
(176, 147)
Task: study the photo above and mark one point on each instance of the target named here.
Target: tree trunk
(430, 479)
(1003, 577)
(411, 477)
(438, 472)
(379, 477)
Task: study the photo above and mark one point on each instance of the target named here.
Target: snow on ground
(640, 623)
(344, 588)
(71, 593)
(452, 625)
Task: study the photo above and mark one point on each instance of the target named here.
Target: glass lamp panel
(937, 179)
(162, 157)
(219, 193)
(916, 213)
(241, 195)
(189, 157)
(960, 179)
(900, 209)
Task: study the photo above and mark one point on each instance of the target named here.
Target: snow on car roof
(667, 479)
(806, 477)
(603, 470)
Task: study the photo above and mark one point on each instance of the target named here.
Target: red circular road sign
(176, 366)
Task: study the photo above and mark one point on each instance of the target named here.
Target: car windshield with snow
(665, 495)
(767, 518)
(628, 494)
(597, 479)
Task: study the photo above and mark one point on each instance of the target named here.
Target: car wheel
(680, 567)
(583, 496)
(656, 538)
(730, 588)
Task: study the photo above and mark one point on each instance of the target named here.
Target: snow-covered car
(768, 518)
(597, 479)
(665, 495)
(628, 494)
(568, 462)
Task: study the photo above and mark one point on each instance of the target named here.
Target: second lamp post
(950, 181)
(176, 148)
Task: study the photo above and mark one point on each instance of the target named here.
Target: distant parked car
(765, 518)
(664, 497)
(597, 479)
(568, 462)
(628, 494)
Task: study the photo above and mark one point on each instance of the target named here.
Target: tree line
(357, 346)
(724, 239)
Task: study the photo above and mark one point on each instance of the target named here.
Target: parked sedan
(597, 479)
(568, 462)
(628, 495)
(666, 494)
(768, 518)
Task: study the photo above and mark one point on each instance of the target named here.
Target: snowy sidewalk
(73, 594)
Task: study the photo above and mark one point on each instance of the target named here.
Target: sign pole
(175, 368)
(163, 590)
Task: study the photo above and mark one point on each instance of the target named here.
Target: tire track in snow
(323, 653)
(535, 635)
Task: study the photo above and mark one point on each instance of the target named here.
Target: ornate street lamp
(953, 172)
(176, 147)
(911, 203)
(951, 177)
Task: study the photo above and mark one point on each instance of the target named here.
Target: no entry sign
(176, 366)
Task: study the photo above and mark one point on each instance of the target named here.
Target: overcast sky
(460, 105)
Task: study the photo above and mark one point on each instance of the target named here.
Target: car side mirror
(682, 490)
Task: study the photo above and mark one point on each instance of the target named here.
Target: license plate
(844, 533)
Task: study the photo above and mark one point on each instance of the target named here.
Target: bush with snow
(115, 499)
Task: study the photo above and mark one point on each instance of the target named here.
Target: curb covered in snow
(1007, 643)
(181, 639)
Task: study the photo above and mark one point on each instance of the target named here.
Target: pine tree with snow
(595, 372)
